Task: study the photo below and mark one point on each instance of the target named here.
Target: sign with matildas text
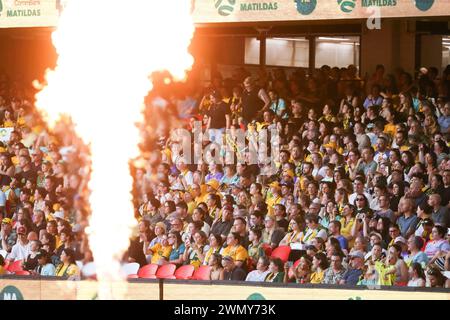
(220, 11)
(28, 13)
(45, 13)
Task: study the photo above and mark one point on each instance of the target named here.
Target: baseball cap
(373, 233)
(21, 230)
(213, 183)
(6, 220)
(275, 184)
(400, 239)
(356, 254)
(289, 173)
(331, 145)
(59, 215)
(286, 184)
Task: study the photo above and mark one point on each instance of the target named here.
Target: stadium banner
(186, 291)
(29, 13)
(45, 13)
(217, 11)
(18, 289)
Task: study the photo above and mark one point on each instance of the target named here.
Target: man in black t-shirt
(28, 172)
(231, 272)
(224, 225)
(280, 216)
(217, 115)
(254, 99)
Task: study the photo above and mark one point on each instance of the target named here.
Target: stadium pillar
(312, 54)
(262, 50)
(262, 37)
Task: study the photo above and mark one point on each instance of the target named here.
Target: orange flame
(106, 52)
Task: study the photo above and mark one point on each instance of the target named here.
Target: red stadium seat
(132, 276)
(22, 273)
(267, 249)
(281, 252)
(166, 271)
(202, 273)
(148, 271)
(15, 266)
(184, 272)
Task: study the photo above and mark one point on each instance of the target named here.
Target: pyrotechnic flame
(106, 52)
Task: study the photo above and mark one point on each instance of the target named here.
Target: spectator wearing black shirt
(254, 99)
(28, 172)
(231, 271)
(218, 115)
(39, 222)
(36, 158)
(50, 187)
(135, 252)
(223, 226)
(280, 216)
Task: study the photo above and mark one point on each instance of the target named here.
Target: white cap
(59, 214)
(400, 239)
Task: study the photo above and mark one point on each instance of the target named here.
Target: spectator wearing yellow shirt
(275, 197)
(68, 267)
(235, 250)
(189, 199)
(9, 122)
(214, 206)
(215, 246)
(52, 228)
(160, 252)
(389, 116)
(196, 193)
(347, 222)
(320, 264)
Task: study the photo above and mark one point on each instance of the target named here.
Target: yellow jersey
(238, 253)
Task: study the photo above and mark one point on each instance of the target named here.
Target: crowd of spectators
(43, 193)
(360, 192)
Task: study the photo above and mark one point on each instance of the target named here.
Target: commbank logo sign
(225, 7)
(11, 293)
(347, 6)
(306, 7)
(424, 5)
